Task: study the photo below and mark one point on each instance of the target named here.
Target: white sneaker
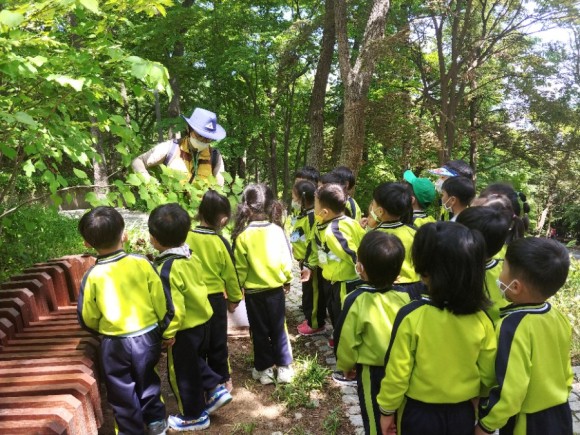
(265, 376)
(285, 374)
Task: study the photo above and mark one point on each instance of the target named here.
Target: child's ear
(223, 221)
(124, 237)
(516, 287)
(88, 245)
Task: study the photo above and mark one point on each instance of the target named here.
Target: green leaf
(91, 5)
(134, 180)
(28, 168)
(8, 151)
(91, 198)
(11, 19)
(25, 118)
(129, 197)
(76, 84)
(80, 174)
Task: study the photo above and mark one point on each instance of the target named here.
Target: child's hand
(167, 342)
(287, 288)
(351, 374)
(479, 430)
(305, 274)
(364, 222)
(388, 425)
(232, 306)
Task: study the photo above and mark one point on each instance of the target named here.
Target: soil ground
(254, 410)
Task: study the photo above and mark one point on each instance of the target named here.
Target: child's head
(520, 211)
(422, 188)
(347, 177)
(380, 257)
(492, 223)
(102, 228)
(303, 195)
(169, 225)
(329, 201)
(215, 210)
(391, 202)
(451, 261)
(457, 193)
(453, 168)
(309, 173)
(330, 178)
(534, 267)
(257, 203)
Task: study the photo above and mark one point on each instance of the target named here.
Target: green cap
(422, 188)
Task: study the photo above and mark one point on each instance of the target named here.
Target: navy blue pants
(133, 386)
(216, 353)
(368, 380)
(556, 420)
(267, 316)
(189, 374)
(314, 300)
(333, 297)
(420, 418)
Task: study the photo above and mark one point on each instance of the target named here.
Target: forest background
(87, 85)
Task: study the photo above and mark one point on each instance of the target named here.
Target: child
(423, 195)
(494, 226)
(307, 173)
(180, 272)
(218, 274)
(391, 205)
(123, 300)
(263, 259)
(521, 220)
(347, 180)
(534, 375)
(442, 347)
(313, 301)
(453, 168)
(457, 194)
(340, 238)
(364, 328)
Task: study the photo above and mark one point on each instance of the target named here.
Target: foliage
(331, 422)
(36, 234)
(243, 428)
(567, 301)
(310, 377)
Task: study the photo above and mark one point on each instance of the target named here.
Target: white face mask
(446, 207)
(296, 206)
(374, 216)
(502, 287)
(439, 185)
(197, 144)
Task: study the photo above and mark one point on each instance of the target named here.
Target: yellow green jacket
(421, 218)
(263, 257)
(352, 209)
(300, 235)
(217, 262)
(406, 235)
(122, 295)
(492, 271)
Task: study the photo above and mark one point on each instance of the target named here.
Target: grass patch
(310, 378)
(331, 423)
(567, 301)
(244, 428)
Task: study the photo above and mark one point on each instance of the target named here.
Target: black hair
(452, 258)
(309, 173)
(503, 204)
(515, 198)
(257, 203)
(213, 207)
(461, 188)
(331, 178)
(543, 264)
(382, 256)
(169, 224)
(304, 190)
(346, 175)
(102, 227)
(395, 198)
(332, 196)
(492, 223)
(461, 168)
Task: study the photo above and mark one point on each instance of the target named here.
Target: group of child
(436, 335)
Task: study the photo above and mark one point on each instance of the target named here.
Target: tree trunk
(287, 188)
(357, 78)
(315, 155)
(99, 165)
(158, 116)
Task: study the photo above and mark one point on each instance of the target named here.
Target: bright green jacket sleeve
(340, 238)
(406, 235)
(492, 271)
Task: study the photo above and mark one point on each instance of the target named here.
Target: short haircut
(331, 178)
(332, 196)
(461, 188)
(346, 175)
(453, 259)
(543, 264)
(308, 173)
(169, 224)
(461, 168)
(492, 223)
(382, 256)
(304, 190)
(213, 207)
(510, 192)
(395, 198)
(102, 227)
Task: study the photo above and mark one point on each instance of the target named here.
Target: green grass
(567, 301)
(243, 428)
(310, 377)
(331, 423)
